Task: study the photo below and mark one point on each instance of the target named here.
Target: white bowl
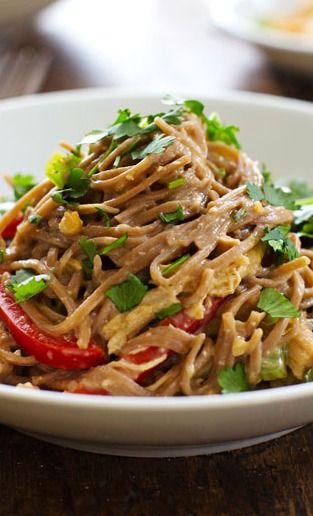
(240, 18)
(18, 11)
(274, 130)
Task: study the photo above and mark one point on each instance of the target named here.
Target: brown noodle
(226, 261)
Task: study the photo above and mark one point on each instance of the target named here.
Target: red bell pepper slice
(60, 353)
(182, 321)
(10, 230)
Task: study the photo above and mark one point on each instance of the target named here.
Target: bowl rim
(170, 404)
(232, 22)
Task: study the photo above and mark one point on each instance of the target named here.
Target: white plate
(274, 130)
(240, 18)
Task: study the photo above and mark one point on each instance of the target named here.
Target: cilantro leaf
(233, 379)
(172, 267)
(278, 197)
(277, 238)
(76, 186)
(114, 245)
(22, 184)
(169, 311)
(216, 131)
(59, 166)
(272, 194)
(300, 189)
(155, 147)
(276, 305)
(88, 246)
(174, 216)
(274, 365)
(195, 106)
(24, 284)
(128, 294)
(255, 192)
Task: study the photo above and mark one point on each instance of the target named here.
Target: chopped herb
(308, 377)
(105, 217)
(34, 218)
(277, 239)
(2, 254)
(77, 151)
(117, 161)
(255, 192)
(276, 305)
(127, 294)
(156, 146)
(272, 194)
(233, 379)
(274, 365)
(22, 184)
(76, 186)
(237, 215)
(127, 125)
(172, 267)
(267, 174)
(195, 106)
(221, 172)
(59, 167)
(90, 249)
(169, 311)
(88, 246)
(216, 131)
(300, 189)
(176, 183)
(114, 245)
(174, 216)
(278, 197)
(24, 284)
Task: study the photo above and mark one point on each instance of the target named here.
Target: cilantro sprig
(277, 239)
(128, 294)
(216, 131)
(272, 194)
(276, 305)
(76, 186)
(170, 310)
(233, 379)
(21, 184)
(24, 284)
(156, 146)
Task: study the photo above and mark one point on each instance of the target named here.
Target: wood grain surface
(167, 45)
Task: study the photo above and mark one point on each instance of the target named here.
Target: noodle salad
(156, 259)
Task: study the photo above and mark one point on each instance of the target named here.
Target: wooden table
(167, 45)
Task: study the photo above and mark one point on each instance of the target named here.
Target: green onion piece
(169, 311)
(308, 377)
(34, 218)
(176, 183)
(114, 245)
(2, 254)
(174, 216)
(172, 267)
(274, 365)
(105, 217)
